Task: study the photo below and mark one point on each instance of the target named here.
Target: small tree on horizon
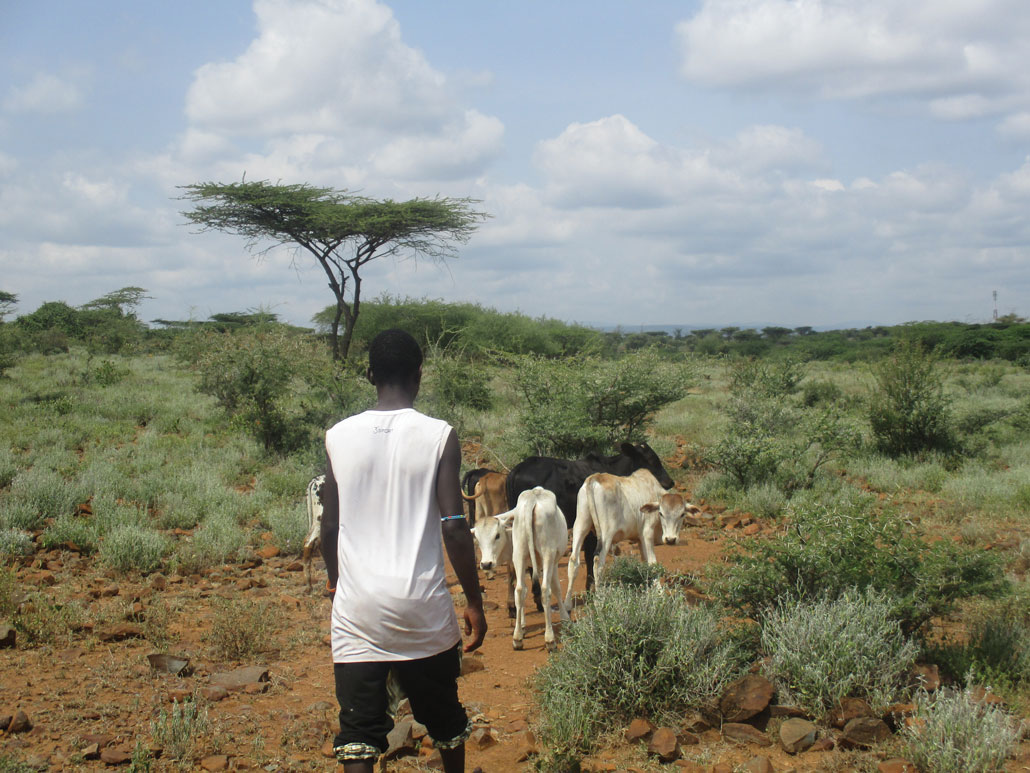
(343, 231)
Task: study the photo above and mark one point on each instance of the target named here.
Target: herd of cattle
(522, 520)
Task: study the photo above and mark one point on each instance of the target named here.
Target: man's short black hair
(394, 357)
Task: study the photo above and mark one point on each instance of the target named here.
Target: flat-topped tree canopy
(342, 230)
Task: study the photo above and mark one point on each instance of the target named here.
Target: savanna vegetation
(890, 467)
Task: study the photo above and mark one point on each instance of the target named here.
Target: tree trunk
(334, 332)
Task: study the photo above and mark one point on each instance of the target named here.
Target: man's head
(394, 358)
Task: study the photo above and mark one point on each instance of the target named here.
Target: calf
(494, 539)
(313, 540)
(617, 508)
(539, 537)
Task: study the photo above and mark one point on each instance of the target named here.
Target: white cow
(494, 540)
(539, 537)
(314, 539)
(617, 508)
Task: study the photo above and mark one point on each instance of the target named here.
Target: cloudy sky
(717, 162)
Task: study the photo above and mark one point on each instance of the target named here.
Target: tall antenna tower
(995, 305)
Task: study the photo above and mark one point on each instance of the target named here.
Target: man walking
(391, 491)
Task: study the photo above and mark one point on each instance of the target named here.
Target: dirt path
(86, 691)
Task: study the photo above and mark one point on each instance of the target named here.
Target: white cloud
(329, 90)
(964, 58)
(46, 93)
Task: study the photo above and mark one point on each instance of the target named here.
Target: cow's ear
(693, 509)
(506, 518)
(629, 449)
(650, 507)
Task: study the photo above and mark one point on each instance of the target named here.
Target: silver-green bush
(956, 733)
(131, 547)
(633, 651)
(13, 543)
(822, 651)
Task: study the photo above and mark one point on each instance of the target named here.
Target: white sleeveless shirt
(392, 601)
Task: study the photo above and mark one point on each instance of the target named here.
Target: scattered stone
(849, 709)
(321, 706)
(295, 566)
(121, 633)
(863, 732)
(742, 733)
(664, 745)
(517, 726)
(638, 730)
(824, 744)
(722, 767)
(213, 693)
(46, 578)
(179, 695)
(158, 582)
(896, 715)
(434, 761)
(172, 664)
(928, 676)
(256, 688)
(686, 738)
(100, 740)
(215, 763)
(240, 678)
(750, 530)
(245, 584)
(91, 752)
(527, 747)
(797, 734)
(327, 749)
(746, 697)
(116, 755)
(897, 765)
(400, 740)
(481, 739)
(110, 591)
(268, 551)
(759, 765)
(19, 723)
(8, 636)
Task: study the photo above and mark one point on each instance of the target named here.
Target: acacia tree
(344, 232)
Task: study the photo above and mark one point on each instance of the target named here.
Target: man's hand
(475, 626)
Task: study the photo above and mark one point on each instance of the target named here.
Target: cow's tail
(532, 540)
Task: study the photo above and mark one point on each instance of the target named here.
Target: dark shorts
(430, 684)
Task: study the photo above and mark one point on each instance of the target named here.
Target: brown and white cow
(488, 495)
(629, 507)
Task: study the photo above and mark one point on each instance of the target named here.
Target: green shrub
(997, 649)
(239, 629)
(954, 732)
(14, 543)
(45, 492)
(571, 408)
(289, 525)
(629, 571)
(133, 547)
(908, 410)
(822, 651)
(218, 540)
(814, 393)
(633, 651)
(177, 733)
(832, 546)
(75, 530)
(45, 621)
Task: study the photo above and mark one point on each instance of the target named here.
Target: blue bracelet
(451, 517)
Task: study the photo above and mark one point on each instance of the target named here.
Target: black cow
(565, 477)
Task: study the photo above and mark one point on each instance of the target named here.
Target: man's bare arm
(330, 524)
(457, 540)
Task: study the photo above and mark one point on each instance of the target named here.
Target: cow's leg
(549, 570)
(579, 535)
(520, 605)
(563, 612)
(647, 545)
(511, 591)
(589, 551)
(599, 557)
(536, 594)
